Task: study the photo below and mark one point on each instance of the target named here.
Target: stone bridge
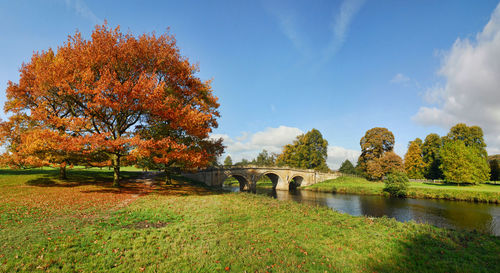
(282, 178)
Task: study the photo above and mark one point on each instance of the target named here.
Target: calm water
(441, 213)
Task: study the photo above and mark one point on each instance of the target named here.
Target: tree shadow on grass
(9, 172)
(440, 250)
(140, 183)
(75, 179)
(42, 182)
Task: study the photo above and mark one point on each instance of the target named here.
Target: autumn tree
(347, 167)
(414, 164)
(430, 153)
(374, 144)
(308, 151)
(228, 161)
(30, 144)
(121, 96)
(389, 162)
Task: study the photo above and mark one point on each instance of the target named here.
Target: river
(442, 213)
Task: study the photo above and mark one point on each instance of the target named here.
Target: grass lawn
(87, 225)
(476, 193)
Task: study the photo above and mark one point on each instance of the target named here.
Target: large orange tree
(119, 96)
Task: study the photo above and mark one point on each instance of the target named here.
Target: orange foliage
(379, 167)
(99, 96)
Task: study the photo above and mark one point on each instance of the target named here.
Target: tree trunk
(62, 172)
(168, 178)
(116, 169)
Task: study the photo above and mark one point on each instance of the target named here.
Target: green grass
(487, 193)
(86, 225)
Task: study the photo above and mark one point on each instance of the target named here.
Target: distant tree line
(308, 151)
(458, 157)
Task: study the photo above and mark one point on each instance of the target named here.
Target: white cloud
(337, 155)
(471, 89)
(248, 146)
(273, 140)
(81, 8)
(400, 78)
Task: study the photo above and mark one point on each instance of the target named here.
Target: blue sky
(280, 68)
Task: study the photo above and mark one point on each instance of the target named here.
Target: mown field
(84, 224)
(487, 193)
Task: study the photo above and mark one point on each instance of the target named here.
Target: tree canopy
(374, 144)
(432, 160)
(377, 158)
(308, 151)
(463, 164)
(463, 155)
(116, 95)
(347, 167)
(379, 167)
(414, 163)
(472, 136)
(265, 159)
(228, 161)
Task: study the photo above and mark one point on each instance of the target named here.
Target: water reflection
(442, 213)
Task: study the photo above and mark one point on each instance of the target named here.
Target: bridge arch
(243, 180)
(275, 178)
(295, 182)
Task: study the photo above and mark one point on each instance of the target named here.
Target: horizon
(281, 69)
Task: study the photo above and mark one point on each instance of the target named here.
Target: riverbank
(87, 225)
(486, 193)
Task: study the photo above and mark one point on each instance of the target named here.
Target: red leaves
(100, 97)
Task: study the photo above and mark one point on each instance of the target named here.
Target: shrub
(396, 184)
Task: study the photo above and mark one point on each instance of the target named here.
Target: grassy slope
(90, 226)
(477, 193)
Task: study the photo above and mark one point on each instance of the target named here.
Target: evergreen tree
(414, 163)
(265, 159)
(495, 170)
(228, 161)
(347, 167)
(243, 162)
(308, 151)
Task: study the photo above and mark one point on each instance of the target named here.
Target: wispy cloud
(287, 21)
(341, 20)
(81, 8)
(340, 25)
(400, 78)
